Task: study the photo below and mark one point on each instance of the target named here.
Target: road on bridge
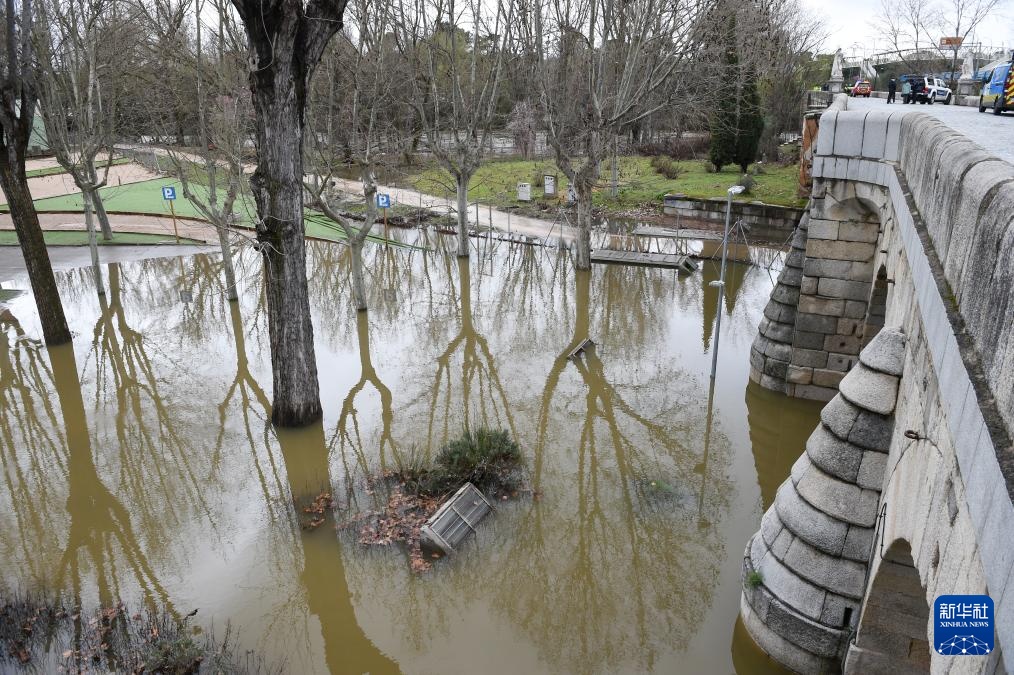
(992, 132)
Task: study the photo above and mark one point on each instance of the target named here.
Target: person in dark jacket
(892, 89)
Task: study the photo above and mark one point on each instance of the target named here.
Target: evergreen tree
(750, 121)
(738, 122)
(724, 121)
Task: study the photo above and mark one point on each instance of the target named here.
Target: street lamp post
(734, 190)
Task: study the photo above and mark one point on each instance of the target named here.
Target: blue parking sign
(168, 193)
(383, 201)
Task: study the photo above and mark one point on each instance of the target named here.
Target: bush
(676, 147)
(754, 579)
(483, 457)
(666, 166)
(748, 182)
(489, 459)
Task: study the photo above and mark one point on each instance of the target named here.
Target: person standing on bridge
(892, 89)
(906, 91)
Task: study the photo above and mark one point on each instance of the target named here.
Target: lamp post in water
(734, 190)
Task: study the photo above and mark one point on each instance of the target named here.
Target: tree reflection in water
(614, 567)
(95, 550)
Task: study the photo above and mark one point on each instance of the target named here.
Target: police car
(928, 89)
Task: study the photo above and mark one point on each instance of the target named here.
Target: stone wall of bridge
(910, 233)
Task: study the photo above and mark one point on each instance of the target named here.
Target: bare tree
(457, 77)
(960, 18)
(780, 38)
(604, 66)
(286, 39)
(354, 88)
(212, 174)
(913, 27)
(81, 44)
(18, 100)
(909, 27)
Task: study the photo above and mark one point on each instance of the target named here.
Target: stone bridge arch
(891, 636)
(816, 322)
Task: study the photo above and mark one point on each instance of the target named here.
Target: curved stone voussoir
(872, 431)
(782, 650)
(803, 596)
(808, 523)
(870, 389)
(838, 416)
(840, 576)
(838, 499)
(885, 353)
(784, 620)
(833, 455)
(858, 543)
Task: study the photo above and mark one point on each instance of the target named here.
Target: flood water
(140, 462)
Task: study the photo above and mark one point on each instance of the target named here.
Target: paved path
(495, 218)
(12, 265)
(992, 132)
(123, 223)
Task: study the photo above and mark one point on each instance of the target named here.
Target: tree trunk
(93, 243)
(279, 99)
(614, 188)
(358, 287)
(230, 272)
(461, 182)
(33, 248)
(584, 208)
(100, 211)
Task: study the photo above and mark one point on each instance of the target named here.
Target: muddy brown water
(140, 464)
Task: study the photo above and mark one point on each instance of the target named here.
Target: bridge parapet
(910, 227)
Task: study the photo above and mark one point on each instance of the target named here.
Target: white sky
(852, 25)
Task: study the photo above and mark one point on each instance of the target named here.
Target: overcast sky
(852, 23)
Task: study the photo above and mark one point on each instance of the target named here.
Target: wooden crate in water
(456, 519)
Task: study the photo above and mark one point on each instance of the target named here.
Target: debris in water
(447, 528)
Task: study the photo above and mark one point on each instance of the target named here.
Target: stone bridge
(896, 306)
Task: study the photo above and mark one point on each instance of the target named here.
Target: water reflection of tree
(99, 522)
(627, 549)
(90, 544)
(479, 379)
(347, 437)
(32, 449)
(155, 452)
(735, 275)
(327, 595)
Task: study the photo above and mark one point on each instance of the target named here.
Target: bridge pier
(914, 226)
(808, 562)
(819, 314)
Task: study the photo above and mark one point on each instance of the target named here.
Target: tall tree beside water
(286, 40)
(18, 98)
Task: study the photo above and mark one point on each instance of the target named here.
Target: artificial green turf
(146, 198)
(80, 238)
(496, 182)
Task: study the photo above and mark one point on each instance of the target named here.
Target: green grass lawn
(496, 182)
(80, 238)
(146, 198)
(55, 170)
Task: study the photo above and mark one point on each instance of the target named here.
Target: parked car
(928, 89)
(862, 88)
(998, 89)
